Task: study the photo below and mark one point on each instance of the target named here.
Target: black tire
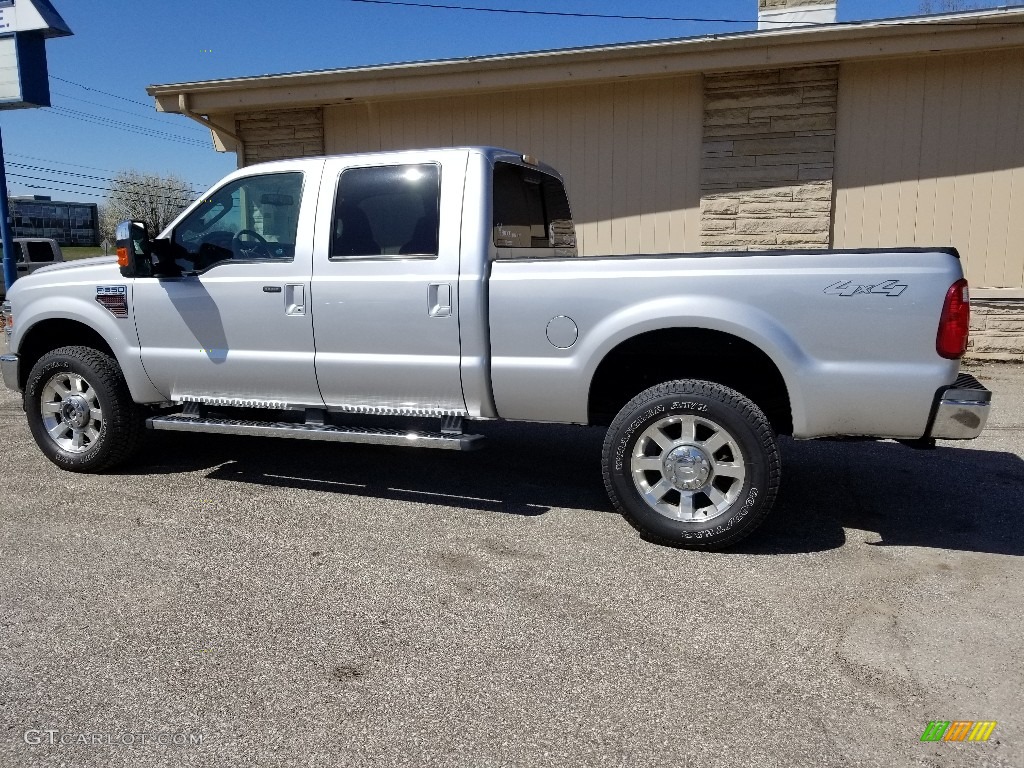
(699, 493)
(112, 428)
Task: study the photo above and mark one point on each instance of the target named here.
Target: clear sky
(102, 120)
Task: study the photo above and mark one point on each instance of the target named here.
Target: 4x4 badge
(846, 288)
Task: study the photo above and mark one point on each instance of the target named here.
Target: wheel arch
(663, 354)
(51, 331)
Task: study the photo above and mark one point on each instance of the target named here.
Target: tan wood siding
(630, 152)
(930, 151)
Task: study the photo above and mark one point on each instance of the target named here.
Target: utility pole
(10, 271)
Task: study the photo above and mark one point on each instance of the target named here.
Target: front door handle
(439, 300)
(295, 299)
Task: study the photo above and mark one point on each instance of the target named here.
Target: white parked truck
(431, 289)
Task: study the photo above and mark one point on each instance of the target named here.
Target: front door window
(251, 219)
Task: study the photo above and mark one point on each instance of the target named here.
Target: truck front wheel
(80, 411)
(692, 463)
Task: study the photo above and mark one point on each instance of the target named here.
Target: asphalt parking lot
(282, 603)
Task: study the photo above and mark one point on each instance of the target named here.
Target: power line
(626, 17)
(125, 111)
(44, 169)
(118, 122)
(50, 188)
(97, 90)
(567, 14)
(183, 198)
(57, 162)
(196, 185)
(108, 123)
(139, 130)
(122, 125)
(56, 111)
(90, 186)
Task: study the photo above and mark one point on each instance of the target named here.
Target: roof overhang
(717, 53)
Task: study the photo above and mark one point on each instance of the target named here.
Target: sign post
(10, 271)
(24, 83)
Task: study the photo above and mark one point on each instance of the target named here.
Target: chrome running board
(408, 438)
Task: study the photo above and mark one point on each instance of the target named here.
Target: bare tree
(146, 197)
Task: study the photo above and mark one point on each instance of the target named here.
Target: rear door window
(531, 214)
(389, 211)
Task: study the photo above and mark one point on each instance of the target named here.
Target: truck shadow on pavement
(886, 494)
(881, 493)
(521, 470)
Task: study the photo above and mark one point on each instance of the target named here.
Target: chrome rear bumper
(961, 409)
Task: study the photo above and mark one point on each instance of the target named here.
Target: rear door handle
(295, 299)
(439, 300)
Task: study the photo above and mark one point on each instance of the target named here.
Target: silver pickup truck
(396, 297)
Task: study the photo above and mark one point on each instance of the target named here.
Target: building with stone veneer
(905, 132)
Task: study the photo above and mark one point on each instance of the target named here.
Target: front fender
(34, 307)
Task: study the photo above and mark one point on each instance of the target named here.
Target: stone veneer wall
(279, 135)
(997, 330)
(767, 158)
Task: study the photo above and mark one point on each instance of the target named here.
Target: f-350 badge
(890, 288)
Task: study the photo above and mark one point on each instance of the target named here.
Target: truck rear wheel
(80, 411)
(692, 463)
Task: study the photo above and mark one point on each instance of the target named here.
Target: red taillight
(955, 322)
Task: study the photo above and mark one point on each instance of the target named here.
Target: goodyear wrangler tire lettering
(692, 463)
(652, 412)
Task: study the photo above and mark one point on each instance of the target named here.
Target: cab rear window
(531, 214)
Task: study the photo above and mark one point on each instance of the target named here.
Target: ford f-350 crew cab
(421, 290)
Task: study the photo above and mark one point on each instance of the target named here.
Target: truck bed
(851, 332)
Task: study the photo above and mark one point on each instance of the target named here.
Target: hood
(102, 269)
(77, 264)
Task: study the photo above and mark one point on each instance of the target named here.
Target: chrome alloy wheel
(71, 413)
(688, 468)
